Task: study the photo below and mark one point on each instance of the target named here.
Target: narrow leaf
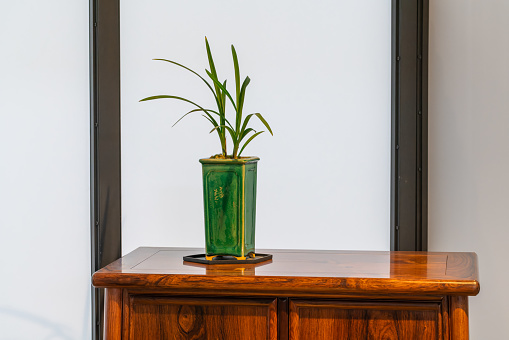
(264, 122)
(249, 140)
(211, 60)
(222, 139)
(245, 133)
(248, 117)
(210, 120)
(187, 68)
(224, 97)
(178, 98)
(217, 127)
(237, 73)
(212, 66)
(232, 134)
(216, 82)
(195, 110)
(241, 100)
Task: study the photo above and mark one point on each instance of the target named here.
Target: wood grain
(155, 318)
(113, 314)
(459, 317)
(152, 294)
(357, 320)
(320, 272)
(283, 318)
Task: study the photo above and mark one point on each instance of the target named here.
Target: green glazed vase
(229, 194)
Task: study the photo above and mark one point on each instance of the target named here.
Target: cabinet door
(153, 318)
(365, 320)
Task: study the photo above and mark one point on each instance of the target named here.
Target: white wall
(320, 74)
(44, 172)
(468, 147)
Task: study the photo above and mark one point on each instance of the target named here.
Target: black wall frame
(409, 141)
(408, 225)
(105, 182)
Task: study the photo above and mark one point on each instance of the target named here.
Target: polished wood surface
(113, 313)
(364, 320)
(297, 270)
(459, 317)
(195, 318)
(152, 294)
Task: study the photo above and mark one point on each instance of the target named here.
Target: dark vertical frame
(409, 168)
(409, 145)
(105, 144)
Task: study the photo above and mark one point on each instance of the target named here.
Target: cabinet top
(303, 271)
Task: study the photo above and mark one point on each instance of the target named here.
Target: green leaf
(219, 106)
(224, 97)
(249, 140)
(264, 122)
(248, 117)
(164, 96)
(245, 133)
(187, 68)
(210, 120)
(195, 110)
(241, 100)
(237, 73)
(212, 67)
(178, 98)
(216, 82)
(232, 134)
(217, 127)
(222, 138)
(211, 60)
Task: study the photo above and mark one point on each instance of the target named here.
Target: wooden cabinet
(152, 294)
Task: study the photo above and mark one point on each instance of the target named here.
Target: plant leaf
(187, 68)
(217, 127)
(210, 120)
(203, 79)
(216, 82)
(241, 100)
(264, 122)
(222, 139)
(245, 133)
(237, 73)
(249, 140)
(195, 110)
(248, 117)
(212, 67)
(178, 98)
(232, 134)
(211, 60)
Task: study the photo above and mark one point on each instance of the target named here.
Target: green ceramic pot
(229, 193)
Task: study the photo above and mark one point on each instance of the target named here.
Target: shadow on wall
(31, 323)
(34, 326)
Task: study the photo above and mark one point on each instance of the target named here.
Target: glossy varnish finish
(153, 294)
(202, 318)
(364, 320)
(113, 313)
(294, 270)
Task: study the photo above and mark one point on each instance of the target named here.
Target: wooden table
(152, 294)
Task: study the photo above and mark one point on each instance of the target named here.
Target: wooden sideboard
(153, 294)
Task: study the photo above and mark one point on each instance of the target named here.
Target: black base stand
(200, 258)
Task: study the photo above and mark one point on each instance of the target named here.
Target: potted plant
(229, 180)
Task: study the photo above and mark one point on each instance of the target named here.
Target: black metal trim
(409, 145)
(105, 179)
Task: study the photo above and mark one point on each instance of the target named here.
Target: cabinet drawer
(157, 317)
(333, 319)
